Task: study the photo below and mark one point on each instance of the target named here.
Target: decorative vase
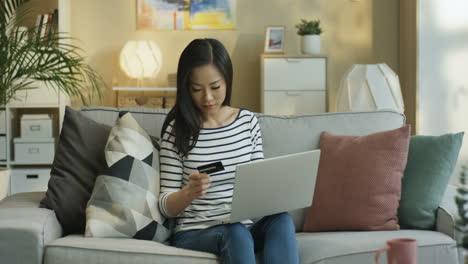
(4, 182)
(310, 44)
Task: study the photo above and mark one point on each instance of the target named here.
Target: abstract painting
(185, 14)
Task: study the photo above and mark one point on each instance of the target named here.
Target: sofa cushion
(316, 248)
(283, 135)
(431, 161)
(124, 201)
(360, 247)
(78, 160)
(150, 119)
(359, 181)
(76, 249)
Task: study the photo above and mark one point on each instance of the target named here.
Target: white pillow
(124, 201)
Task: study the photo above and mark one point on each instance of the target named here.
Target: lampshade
(141, 59)
(370, 87)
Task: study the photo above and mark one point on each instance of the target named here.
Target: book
(45, 18)
(48, 26)
(38, 25)
(54, 23)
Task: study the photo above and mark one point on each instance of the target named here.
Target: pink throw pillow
(359, 182)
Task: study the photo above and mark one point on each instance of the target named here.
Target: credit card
(211, 168)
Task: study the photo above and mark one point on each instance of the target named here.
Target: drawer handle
(293, 60)
(33, 150)
(35, 128)
(32, 176)
(293, 93)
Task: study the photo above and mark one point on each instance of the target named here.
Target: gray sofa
(32, 235)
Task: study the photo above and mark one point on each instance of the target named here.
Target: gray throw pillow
(431, 161)
(79, 158)
(124, 202)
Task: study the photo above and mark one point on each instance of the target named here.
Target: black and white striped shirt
(237, 143)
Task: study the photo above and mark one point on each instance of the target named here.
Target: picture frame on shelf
(274, 39)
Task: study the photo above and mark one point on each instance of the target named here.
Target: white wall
(443, 70)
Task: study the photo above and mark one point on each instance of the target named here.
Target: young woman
(203, 128)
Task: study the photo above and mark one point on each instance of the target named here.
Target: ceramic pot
(310, 44)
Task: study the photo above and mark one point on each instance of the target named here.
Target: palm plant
(26, 57)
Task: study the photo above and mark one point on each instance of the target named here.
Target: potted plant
(310, 36)
(26, 57)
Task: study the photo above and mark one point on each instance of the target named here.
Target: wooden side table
(145, 97)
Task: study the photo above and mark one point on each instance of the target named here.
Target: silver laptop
(274, 185)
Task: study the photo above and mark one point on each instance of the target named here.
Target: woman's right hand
(198, 185)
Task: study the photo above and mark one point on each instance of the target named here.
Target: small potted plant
(310, 33)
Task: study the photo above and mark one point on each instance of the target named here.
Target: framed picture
(274, 39)
(185, 14)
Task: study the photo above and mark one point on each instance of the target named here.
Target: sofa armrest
(446, 222)
(447, 213)
(25, 229)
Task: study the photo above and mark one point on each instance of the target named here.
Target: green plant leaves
(26, 57)
(311, 27)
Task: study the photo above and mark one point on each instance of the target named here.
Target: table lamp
(141, 59)
(370, 87)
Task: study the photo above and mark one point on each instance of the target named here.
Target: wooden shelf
(33, 106)
(138, 89)
(151, 97)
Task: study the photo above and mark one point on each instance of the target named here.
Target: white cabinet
(293, 85)
(294, 102)
(30, 163)
(2, 121)
(43, 96)
(27, 147)
(3, 149)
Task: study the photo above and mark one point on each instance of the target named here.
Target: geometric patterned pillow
(124, 201)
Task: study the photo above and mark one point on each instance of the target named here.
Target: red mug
(400, 251)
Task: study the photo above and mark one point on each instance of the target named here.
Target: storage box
(3, 149)
(34, 150)
(29, 180)
(36, 126)
(2, 122)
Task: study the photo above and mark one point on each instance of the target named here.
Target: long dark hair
(186, 115)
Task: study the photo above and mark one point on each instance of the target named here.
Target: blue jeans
(273, 237)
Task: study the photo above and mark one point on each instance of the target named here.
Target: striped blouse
(237, 143)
